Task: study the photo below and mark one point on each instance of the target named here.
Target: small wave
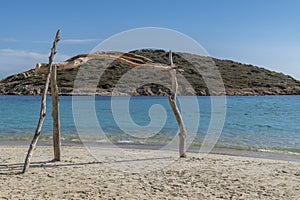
(262, 126)
(282, 151)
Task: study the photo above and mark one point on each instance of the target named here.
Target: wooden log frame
(52, 74)
(43, 107)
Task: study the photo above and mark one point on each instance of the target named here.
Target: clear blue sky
(260, 32)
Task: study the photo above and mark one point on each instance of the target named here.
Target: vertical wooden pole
(55, 114)
(43, 106)
(172, 101)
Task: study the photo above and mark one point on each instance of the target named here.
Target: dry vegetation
(238, 78)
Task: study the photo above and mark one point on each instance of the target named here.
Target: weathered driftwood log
(43, 105)
(172, 101)
(77, 61)
(55, 114)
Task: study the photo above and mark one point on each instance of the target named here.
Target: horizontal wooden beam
(42, 67)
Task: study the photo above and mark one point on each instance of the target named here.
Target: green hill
(238, 78)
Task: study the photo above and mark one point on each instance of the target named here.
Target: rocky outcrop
(22, 84)
(262, 91)
(239, 79)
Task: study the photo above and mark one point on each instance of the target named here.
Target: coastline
(228, 151)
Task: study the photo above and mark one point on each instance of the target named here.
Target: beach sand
(80, 176)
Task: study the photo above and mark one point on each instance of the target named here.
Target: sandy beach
(80, 176)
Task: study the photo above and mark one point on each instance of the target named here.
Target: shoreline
(236, 152)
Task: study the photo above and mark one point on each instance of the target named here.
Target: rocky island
(239, 79)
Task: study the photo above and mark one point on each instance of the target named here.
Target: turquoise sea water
(267, 123)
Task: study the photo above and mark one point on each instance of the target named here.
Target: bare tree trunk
(172, 101)
(55, 114)
(43, 106)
